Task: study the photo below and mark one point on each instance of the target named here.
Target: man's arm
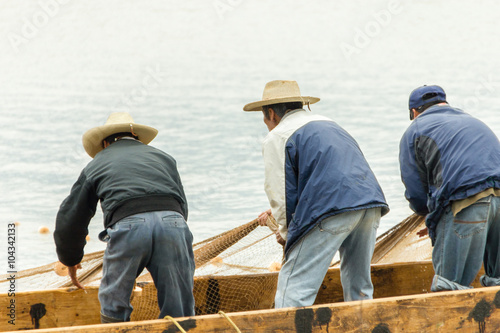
(416, 190)
(72, 222)
(274, 184)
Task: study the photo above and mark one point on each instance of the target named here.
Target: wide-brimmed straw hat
(280, 91)
(117, 122)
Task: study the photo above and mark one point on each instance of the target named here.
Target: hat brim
(92, 139)
(257, 106)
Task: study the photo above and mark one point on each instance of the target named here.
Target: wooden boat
(465, 311)
(473, 310)
(70, 307)
(400, 268)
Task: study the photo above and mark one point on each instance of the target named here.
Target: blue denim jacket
(314, 170)
(445, 155)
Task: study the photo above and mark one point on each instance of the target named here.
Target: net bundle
(235, 271)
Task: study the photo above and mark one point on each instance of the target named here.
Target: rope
(230, 321)
(175, 323)
(271, 223)
(220, 312)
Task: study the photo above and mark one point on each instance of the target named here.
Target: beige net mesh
(235, 271)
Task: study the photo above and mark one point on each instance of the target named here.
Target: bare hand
(279, 239)
(263, 217)
(423, 232)
(72, 275)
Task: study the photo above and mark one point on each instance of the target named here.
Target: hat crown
(280, 89)
(119, 118)
(117, 122)
(424, 95)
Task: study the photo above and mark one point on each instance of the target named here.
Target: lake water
(187, 68)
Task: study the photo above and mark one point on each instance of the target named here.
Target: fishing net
(235, 270)
(402, 243)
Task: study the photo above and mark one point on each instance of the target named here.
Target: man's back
(456, 154)
(325, 172)
(128, 177)
(131, 170)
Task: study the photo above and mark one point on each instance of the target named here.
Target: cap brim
(257, 106)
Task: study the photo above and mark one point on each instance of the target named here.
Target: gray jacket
(128, 178)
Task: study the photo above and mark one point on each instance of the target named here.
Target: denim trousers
(353, 234)
(464, 242)
(159, 241)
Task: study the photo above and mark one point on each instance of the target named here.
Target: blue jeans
(306, 264)
(159, 241)
(466, 241)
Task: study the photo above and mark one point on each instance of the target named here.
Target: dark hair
(112, 138)
(424, 107)
(281, 108)
(427, 96)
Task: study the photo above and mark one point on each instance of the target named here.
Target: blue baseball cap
(425, 95)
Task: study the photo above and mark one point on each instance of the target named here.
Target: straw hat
(117, 122)
(280, 91)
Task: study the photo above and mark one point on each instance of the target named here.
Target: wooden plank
(52, 308)
(474, 310)
(70, 307)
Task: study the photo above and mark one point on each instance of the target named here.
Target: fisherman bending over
(450, 165)
(145, 213)
(323, 195)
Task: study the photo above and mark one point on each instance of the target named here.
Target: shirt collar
(291, 112)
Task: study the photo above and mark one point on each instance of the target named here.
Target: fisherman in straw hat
(145, 212)
(323, 195)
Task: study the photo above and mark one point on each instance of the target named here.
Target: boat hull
(472, 310)
(71, 307)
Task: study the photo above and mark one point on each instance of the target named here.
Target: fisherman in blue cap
(450, 166)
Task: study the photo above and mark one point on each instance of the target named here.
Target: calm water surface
(187, 68)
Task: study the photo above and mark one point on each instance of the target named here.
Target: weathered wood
(54, 308)
(63, 307)
(466, 311)
(70, 307)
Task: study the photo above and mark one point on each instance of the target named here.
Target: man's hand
(279, 239)
(72, 275)
(423, 232)
(263, 222)
(263, 217)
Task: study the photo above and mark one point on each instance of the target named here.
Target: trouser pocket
(472, 220)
